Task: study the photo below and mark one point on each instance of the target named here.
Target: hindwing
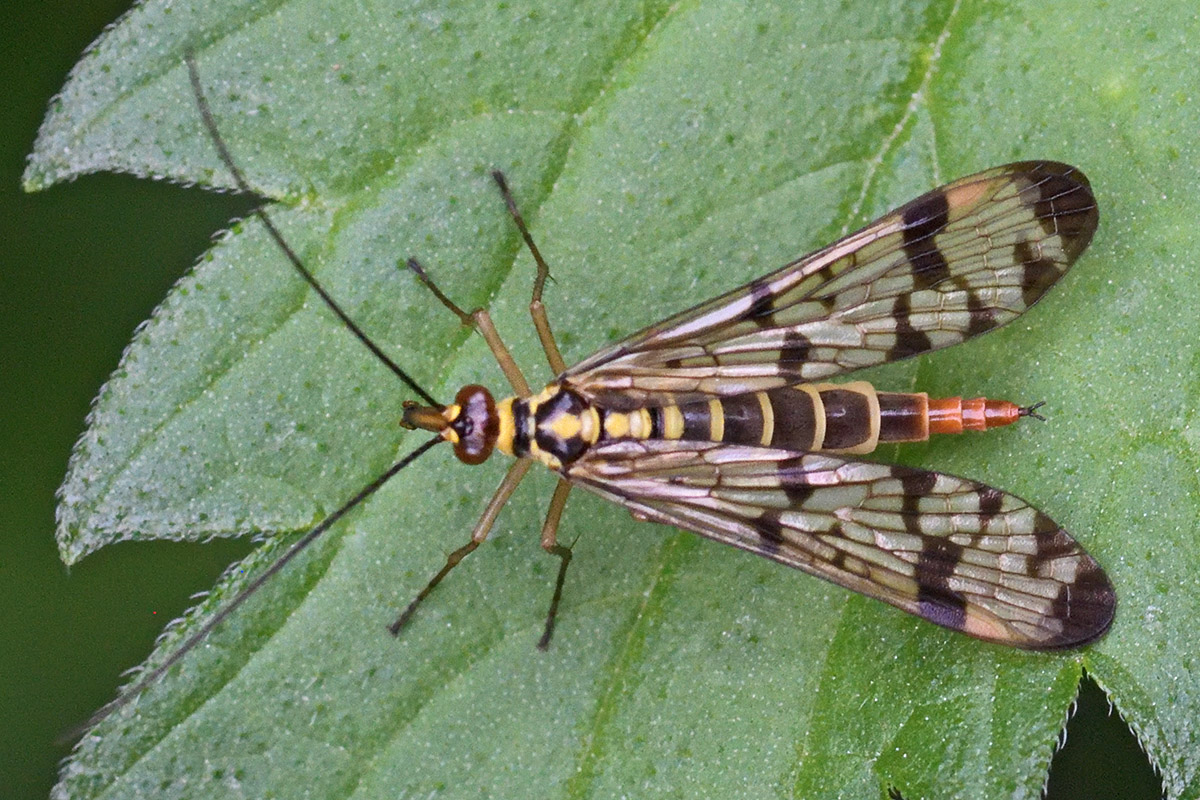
(958, 553)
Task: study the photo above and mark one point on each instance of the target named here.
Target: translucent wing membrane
(956, 262)
(955, 552)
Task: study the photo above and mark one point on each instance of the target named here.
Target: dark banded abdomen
(835, 418)
(848, 418)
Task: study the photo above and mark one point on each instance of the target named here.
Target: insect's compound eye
(477, 425)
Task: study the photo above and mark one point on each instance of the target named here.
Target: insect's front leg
(480, 320)
(507, 486)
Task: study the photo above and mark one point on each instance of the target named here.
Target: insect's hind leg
(550, 544)
(536, 309)
(507, 486)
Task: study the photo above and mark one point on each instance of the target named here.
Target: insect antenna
(225, 611)
(210, 125)
(308, 538)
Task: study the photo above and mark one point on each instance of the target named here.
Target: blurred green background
(83, 264)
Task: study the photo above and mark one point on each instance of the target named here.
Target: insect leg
(538, 311)
(480, 320)
(507, 486)
(550, 544)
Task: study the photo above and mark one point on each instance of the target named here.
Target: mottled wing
(955, 552)
(953, 263)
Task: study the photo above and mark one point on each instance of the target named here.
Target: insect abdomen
(805, 417)
(839, 418)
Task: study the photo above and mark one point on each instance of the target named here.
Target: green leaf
(661, 153)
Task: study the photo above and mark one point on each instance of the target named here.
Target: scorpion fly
(720, 419)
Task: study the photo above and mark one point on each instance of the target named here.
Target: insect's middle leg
(550, 544)
(537, 310)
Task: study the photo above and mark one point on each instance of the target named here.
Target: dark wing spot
(838, 559)
(762, 303)
(990, 502)
(917, 483)
(982, 316)
(938, 559)
(770, 530)
(923, 219)
(793, 479)
(909, 340)
(934, 568)
(1065, 206)
(1038, 274)
(942, 607)
(1086, 607)
(1052, 543)
(795, 348)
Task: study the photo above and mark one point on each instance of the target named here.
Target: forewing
(956, 262)
(955, 552)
